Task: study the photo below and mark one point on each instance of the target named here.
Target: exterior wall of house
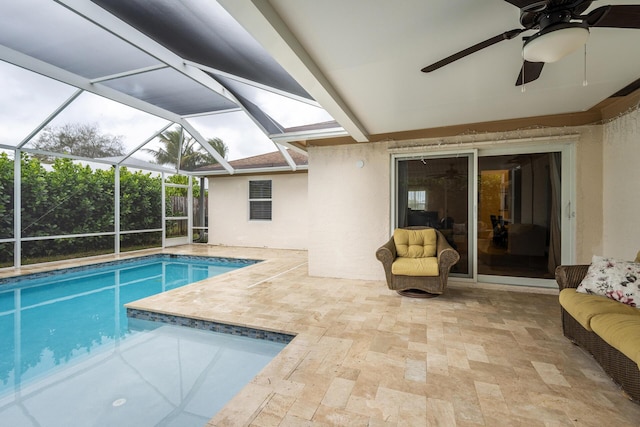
(229, 222)
(350, 206)
(349, 210)
(588, 197)
(346, 215)
(621, 189)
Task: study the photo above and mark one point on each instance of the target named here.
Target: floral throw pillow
(612, 278)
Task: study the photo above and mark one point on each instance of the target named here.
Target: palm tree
(219, 146)
(191, 156)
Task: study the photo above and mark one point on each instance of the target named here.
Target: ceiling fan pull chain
(585, 82)
(523, 87)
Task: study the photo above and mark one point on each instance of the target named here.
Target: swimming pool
(70, 356)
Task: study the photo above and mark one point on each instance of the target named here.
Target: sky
(28, 98)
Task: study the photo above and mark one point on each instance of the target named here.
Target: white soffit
(372, 51)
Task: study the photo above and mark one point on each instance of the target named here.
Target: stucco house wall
(341, 210)
(229, 222)
(621, 186)
(350, 205)
(588, 197)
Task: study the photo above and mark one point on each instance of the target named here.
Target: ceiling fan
(561, 30)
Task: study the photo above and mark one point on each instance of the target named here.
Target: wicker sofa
(416, 284)
(607, 329)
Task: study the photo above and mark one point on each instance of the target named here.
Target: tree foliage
(6, 196)
(84, 140)
(183, 180)
(192, 155)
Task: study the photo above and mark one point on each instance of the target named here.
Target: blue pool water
(70, 356)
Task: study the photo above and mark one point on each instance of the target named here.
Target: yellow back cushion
(415, 243)
(638, 257)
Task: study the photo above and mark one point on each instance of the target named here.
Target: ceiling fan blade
(508, 35)
(525, 4)
(529, 72)
(615, 16)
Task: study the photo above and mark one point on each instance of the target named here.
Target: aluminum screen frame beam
(266, 26)
(37, 66)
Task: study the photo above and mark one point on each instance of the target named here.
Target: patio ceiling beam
(129, 73)
(155, 134)
(241, 106)
(260, 19)
(66, 156)
(252, 171)
(212, 113)
(205, 144)
(180, 148)
(254, 84)
(292, 147)
(308, 135)
(287, 157)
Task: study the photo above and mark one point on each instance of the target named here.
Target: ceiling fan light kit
(562, 27)
(555, 43)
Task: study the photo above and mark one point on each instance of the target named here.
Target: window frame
(254, 200)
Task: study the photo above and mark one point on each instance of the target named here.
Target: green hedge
(69, 198)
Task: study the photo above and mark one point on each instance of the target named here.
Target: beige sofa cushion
(415, 266)
(621, 331)
(584, 307)
(415, 243)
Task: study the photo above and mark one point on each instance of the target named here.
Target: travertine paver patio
(364, 356)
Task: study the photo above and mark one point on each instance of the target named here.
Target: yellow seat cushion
(415, 266)
(415, 243)
(584, 307)
(621, 331)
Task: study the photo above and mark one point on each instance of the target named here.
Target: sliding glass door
(434, 192)
(500, 210)
(518, 215)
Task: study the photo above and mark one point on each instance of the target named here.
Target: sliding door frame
(472, 184)
(567, 212)
(563, 145)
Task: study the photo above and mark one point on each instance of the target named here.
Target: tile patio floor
(364, 356)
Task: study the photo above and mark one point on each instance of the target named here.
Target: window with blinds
(260, 200)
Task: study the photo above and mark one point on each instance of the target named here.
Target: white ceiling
(361, 60)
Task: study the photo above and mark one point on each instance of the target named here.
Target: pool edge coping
(11, 280)
(211, 325)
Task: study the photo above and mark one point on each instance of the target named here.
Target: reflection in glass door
(518, 230)
(434, 192)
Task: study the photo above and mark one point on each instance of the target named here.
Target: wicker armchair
(619, 367)
(419, 286)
